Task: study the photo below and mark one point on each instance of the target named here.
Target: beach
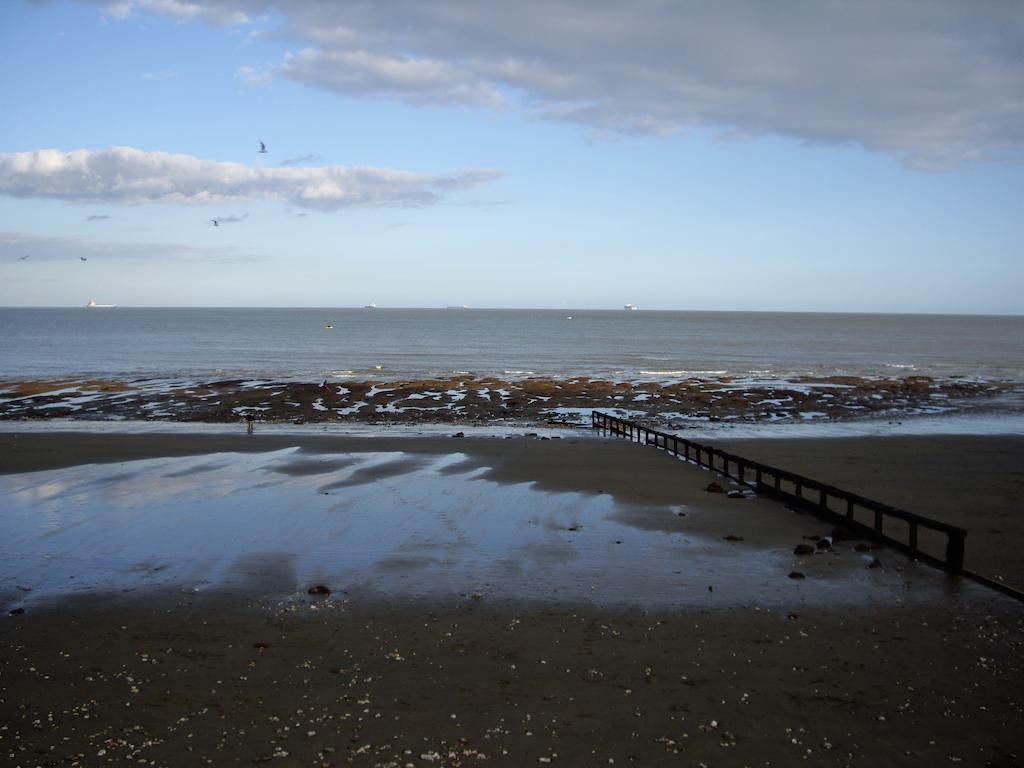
(646, 621)
(450, 384)
(973, 481)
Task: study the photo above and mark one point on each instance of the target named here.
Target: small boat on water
(370, 306)
(631, 307)
(94, 305)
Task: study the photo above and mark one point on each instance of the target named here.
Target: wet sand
(973, 481)
(852, 665)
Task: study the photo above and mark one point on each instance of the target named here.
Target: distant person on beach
(250, 423)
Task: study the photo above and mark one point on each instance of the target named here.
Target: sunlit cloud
(183, 10)
(131, 176)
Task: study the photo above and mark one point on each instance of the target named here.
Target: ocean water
(295, 344)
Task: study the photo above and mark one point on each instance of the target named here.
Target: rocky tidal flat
(468, 399)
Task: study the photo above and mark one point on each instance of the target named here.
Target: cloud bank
(131, 176)
(934, 82)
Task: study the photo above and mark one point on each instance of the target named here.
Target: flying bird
(83, 258)
(263, 148)
(215, 222)
(25, 257)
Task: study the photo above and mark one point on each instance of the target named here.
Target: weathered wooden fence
(849, 510)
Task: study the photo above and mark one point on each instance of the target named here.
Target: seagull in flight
(215, 222)
(25, 257)
(263, 148)
(83, 258)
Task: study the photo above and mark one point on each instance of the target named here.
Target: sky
(796, 155)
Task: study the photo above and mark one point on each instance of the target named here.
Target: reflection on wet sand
(418, 523)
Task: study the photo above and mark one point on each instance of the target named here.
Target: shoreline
(852, 665)
(466, 399)
(967, 480)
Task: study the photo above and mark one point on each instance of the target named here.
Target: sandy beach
(974, 481)
(578, 601)
(452, 384)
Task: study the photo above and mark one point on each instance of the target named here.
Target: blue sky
(857, 158)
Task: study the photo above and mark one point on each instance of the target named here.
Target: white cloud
(131, 176)
(421, 80)
(934, 82)
(183, 10)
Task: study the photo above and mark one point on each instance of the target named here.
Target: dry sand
(851, 666)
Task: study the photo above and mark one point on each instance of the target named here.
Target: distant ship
(630, 307)
(94, 305)
(456, 306)
(370, 306)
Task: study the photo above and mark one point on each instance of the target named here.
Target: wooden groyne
(905, 531)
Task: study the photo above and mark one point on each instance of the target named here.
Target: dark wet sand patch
(382, 471)
(307, 467)
(369, 682)
(209, 466)
(406, 563)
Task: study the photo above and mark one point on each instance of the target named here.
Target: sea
(368, 344)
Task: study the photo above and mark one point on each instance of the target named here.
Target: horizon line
(463, 308)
